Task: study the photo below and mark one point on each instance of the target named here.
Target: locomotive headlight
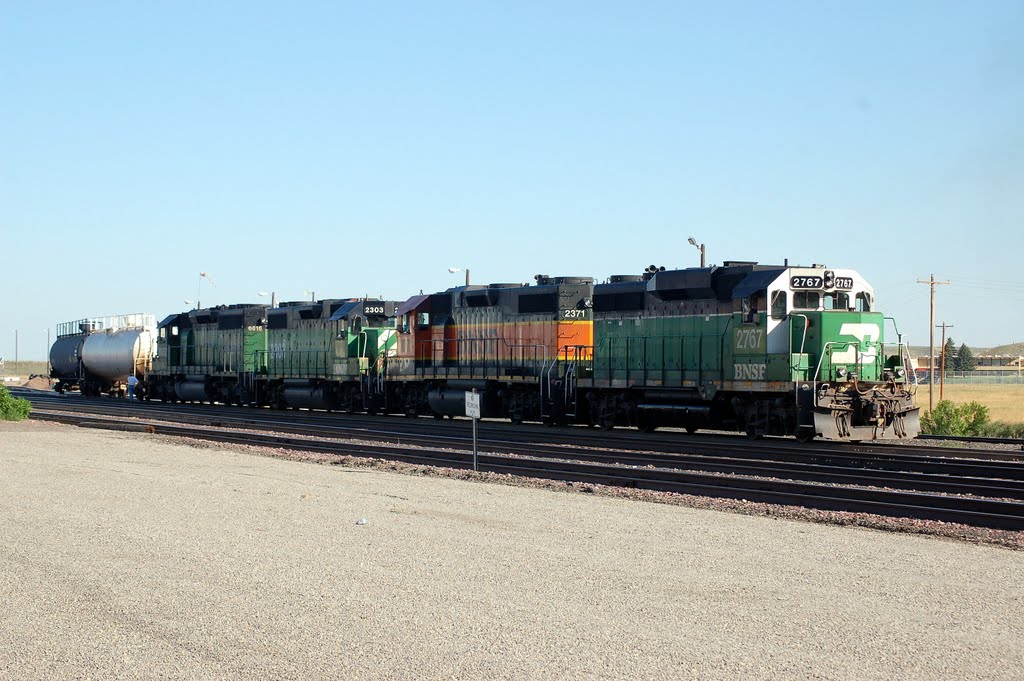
(840, 372)
(805, 387)
(900, 372)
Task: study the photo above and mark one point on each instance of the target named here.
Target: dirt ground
(128, 555)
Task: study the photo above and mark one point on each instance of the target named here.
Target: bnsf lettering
(749, 372)
(749, 339)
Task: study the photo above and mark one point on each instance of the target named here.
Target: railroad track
(979, 492)
(1013, 442)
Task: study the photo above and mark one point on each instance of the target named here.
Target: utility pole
(931, 341)
(942, 366)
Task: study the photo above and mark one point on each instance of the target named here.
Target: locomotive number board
(575, 314)
(815, 282)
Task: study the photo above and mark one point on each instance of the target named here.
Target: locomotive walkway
(906, 482)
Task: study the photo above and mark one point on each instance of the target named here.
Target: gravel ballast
(125, 555)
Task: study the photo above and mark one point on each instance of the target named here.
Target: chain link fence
(1008, 377)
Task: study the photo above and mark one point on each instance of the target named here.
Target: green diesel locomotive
(769, 350)
(325, 354)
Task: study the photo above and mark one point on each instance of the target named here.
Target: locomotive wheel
(804, 435)
(645, 424)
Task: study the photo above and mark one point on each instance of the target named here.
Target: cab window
(863, 303)
(806, 300)
(778, 305)
(836, 301)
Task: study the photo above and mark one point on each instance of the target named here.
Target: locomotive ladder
(246, 383)
(565, 396)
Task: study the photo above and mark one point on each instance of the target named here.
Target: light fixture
(700, 247)
(453, 270)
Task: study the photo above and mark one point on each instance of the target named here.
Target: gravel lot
(124, 555)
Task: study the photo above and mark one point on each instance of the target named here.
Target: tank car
(97, 355)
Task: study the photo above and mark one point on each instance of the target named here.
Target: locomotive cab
(852, 385)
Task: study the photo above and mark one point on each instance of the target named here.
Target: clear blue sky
(364, 148)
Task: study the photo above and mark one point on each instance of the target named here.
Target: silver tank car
(114, 354)
(99, 354)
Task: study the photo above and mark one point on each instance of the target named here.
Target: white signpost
(473, 412)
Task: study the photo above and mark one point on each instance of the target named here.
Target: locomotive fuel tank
(115, 354)
(65, 355)
(308, 397)
(192, 389)
(450, 399)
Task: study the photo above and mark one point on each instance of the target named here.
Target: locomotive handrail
(721, 349)
(803, 339)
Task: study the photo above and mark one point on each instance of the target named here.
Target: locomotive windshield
(836, 301)
(805, 300)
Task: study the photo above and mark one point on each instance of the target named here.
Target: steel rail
(999, 514)
(1011, 441)
(950, 481)
(501, 437)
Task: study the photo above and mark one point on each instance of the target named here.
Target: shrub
(12, 408)
(1003, 429)
(952, 419)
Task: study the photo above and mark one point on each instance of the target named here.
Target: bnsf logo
(749, 372)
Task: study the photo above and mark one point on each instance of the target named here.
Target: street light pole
(700, 247)
(199, 288)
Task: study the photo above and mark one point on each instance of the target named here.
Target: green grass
(22, 368)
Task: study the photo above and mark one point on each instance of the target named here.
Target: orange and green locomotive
(767, 350)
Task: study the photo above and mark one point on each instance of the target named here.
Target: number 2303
(749, 339)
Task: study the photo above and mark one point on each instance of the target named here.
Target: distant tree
(965, 359)
(950, 356)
